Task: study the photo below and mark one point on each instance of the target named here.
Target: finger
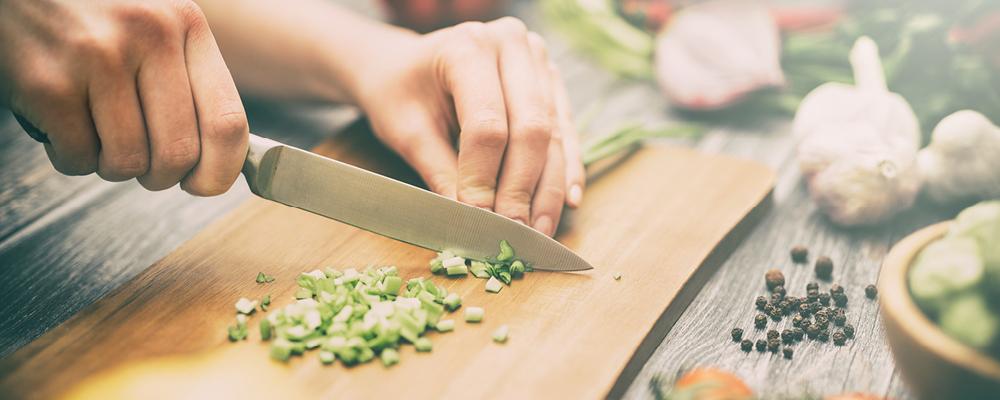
(168, 107)
(222, 123)
(114, 106)
(546, 206)
(73, 144)
(530, 118)
(576, 175)
(423, 144)
(471, 76)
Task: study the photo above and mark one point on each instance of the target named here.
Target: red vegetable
(855, 396)
(710, 384)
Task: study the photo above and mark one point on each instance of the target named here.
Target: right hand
(126, 89)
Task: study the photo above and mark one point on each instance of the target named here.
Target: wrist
(358, 65)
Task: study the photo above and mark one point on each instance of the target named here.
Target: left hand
(493, 86)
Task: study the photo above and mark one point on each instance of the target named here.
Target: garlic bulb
(713, 53)
(857, 144)
(962, 162)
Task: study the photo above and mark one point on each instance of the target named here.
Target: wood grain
(655, 218)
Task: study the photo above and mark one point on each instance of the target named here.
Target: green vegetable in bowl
(943, 269)
(969, 319)
(981, 223)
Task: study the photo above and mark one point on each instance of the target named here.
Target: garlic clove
(865, 189)
(962, 161)
(713, 53)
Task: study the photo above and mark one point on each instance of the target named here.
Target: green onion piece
(265, 329)
(504, 277)
(479, 270)
(423, 345)
(327, 357)
(389, 357)
(436, 267)
(500, 335)
(281, 349)
(474, 314)
(265, 302)
(506, 252)
(391, 285)
(517, 268)
(617, 276)
(303, 293)
(237, 332)
(445, 325)
(452, 302)
(245, 305)
(457, 270)
(261, 278)
(493, 285)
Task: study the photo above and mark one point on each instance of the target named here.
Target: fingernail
(544, 225)
(575, 195)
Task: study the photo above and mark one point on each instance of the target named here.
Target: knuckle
(102, 48)
(511, 26)
(477, 193)
(438, 182)
(181, 154)
(538, 45)
(228, 128)
(488, 132)
(534, 130)
(124, 166)
(473, 30)
(150, 20)
(75, 167)
(190, 13)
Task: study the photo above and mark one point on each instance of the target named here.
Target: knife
(395, 209)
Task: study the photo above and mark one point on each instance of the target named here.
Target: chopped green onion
(245, 305)
(456, 270)
(445, 325)
(506, 252)
(237, 332)
(517, 268)
(264, 278)
(500, 335)
(423, 345)
(493, 285)
(389, 357)
(452, 302)
(303, 293)
(265, 302)
(327, 357)
(265, 329)
(478, 269)
(474, 314)
(617, 276)
(281, 349)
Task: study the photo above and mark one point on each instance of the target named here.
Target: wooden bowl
(933, 364)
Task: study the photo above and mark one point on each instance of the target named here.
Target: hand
(127, 89)
(493, 85)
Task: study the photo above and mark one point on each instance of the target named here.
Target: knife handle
(255, 167)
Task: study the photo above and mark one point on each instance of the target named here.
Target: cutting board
(663, 217)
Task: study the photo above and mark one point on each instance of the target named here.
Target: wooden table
(67, 241)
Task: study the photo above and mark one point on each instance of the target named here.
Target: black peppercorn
(773, 345)
(839, 317)
(805, 309)
(835, 289)
(797, 321)
(737, 334)
(814, 307)
(812, 331)
(775, 298)
(824, 268)
(871, 291)
(822, 324)
(761, 302)
(812, 297)
(787, 336)
(840, 300)
(806, 324)
(761, 345)
(772, 334)
(746, 345)
(821, 316)
(760, 321)
(839, 338)
(797, 333)
(787, 351)
(785, 306)
(849, 330)
(793, 303)
(812, 286)
(780, 291)
(823, 336)
(824, 299)
(774, 278)
(800, 254)
(776, 316)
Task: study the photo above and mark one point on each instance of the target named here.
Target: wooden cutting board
(663, 218)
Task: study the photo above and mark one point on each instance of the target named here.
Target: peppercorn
(821, 315)
(772, 334)
(797, 320)
(746, 345)
(822, 325)
(824, 299)
(737, 334)
(814, 307)
(775, 298)
(800, 254)
(797, 333)
(806, 324)
(835, 289)
(761, 302)
(776, 316)
(760, 321)
(812, 331)
(773, 345)
(839, 338)
(839, 317)
(793, 303)
(812, 286)
(761, 345)
(804, 309)
(840, 300)
(780, 291)
(787, 336)
(774, 278)
(785, 306)
(824, 268)
(849, 331)
(871, 291)
(823, 336)
(813, 297)
(787, 351)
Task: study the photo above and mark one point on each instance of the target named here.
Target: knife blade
(395, 209)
